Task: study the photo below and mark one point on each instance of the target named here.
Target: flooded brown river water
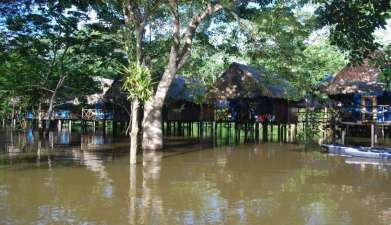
(86, 179)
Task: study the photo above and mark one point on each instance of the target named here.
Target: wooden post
(114, 127)
(215, 128)
(70, 125)
(343, 136)
(229, 129)
(264, 132)
(198, 129)
(59, 125)
(179, 131)
(245, 131)
(373, 135)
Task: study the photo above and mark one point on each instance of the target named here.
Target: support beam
(372, 135)
(70, 125)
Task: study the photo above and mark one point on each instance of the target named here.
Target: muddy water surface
(86, 179)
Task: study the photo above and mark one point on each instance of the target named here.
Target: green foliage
(311, 123)
(48, 41)
(352, 24)
(42, 41)
(318, 61)
(137, 81)
(383, 60)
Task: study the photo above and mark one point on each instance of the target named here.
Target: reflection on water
(86, 179)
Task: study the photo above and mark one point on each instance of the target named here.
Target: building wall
(187, 111)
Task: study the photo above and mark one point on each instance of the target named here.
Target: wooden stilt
(285, 133)
(372, 135)
(59, 125)
(264, 132)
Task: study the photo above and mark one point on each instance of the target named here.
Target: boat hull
(365, 152)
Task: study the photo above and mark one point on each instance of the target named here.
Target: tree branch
(192, 27)
(176, 24)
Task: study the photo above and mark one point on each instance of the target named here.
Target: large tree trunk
(152, 122)
(50, 112)
(152, 127)
(51, 101)
(39, 116)
(134, 131)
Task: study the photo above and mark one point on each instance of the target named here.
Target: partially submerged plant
(138, 82)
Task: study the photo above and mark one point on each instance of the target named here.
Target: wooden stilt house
(246, 94)
(96, 106)
(185, 100)
(359, 96)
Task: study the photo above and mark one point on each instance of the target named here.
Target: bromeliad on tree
(138, 83)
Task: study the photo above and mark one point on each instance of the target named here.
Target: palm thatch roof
(248, 82)
(115, 94)
(185, 89)
(181, 89)
(359, 79)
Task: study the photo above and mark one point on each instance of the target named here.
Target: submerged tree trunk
(39, 116)
(152, 122)
(49, 113)
(51, 101)
(134, 131)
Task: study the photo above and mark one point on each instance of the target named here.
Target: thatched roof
(358, 79)
(181, 89)
(248, 82)
(115, 94)
(185, 89)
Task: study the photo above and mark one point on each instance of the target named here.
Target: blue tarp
(30, 115)
(63, 114)
(356, 111)
(102, 115)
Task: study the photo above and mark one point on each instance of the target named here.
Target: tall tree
(352, 24)
(45, 39)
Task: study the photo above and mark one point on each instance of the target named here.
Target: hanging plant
(137, 82)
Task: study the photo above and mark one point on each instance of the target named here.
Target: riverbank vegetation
(52, 51)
